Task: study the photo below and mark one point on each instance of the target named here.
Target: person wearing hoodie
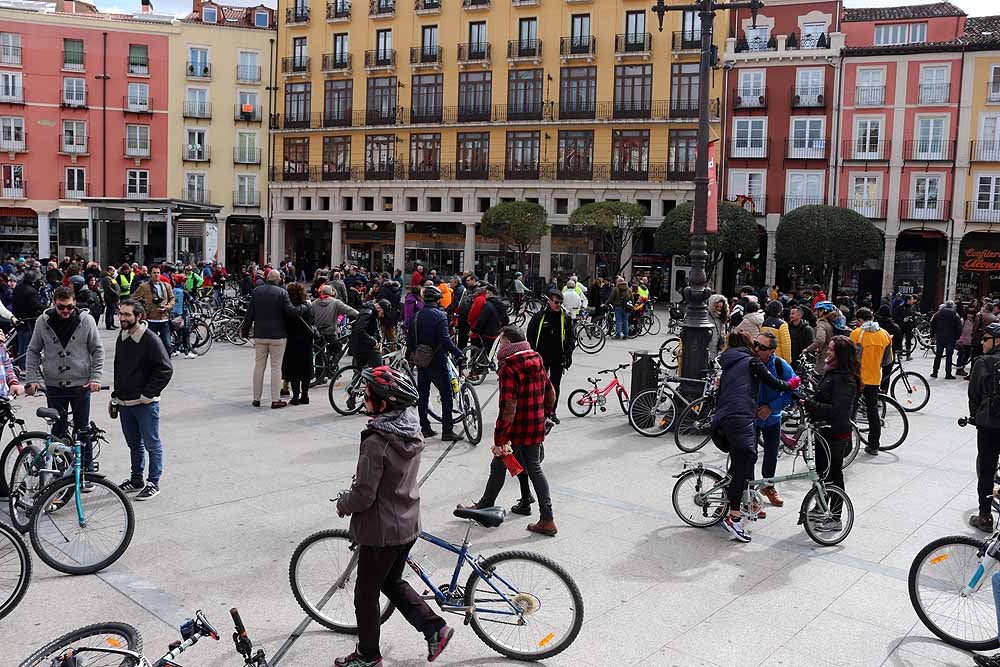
(392, 292)
(573, 301)
(732, 425)
(777, 327)
(411, 306)
(326, 312)
(718, 313)
(551, 334)
(752, 321)
(621, 297)
(800, 333)
(946, 327)
(770, 403)
(384, 505)
(872, 340)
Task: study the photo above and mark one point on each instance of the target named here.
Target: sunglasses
(68, 306)
(758, 346)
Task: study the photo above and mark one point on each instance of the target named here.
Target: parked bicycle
(581, 402)
(22, 438)
(590, 336)
(15, 569)
(653, 412)
(670, 351)
(480, 361)
(909, 388)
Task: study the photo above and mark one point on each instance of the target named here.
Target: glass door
(926, 205)
(868, 139)
(866, 200)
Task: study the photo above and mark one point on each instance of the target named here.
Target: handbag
(423, 356)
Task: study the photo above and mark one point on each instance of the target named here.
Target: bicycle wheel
(622, 399)
(938, 581)
(668, 352)
(655, 327)
(15, 569)
(894, 422)
(476, 368)
(693, 425)
(10, 453)
(71, 546)
(472, 414)
(200, 338)
(322, 574)
(651, 413)
(547, 602)
(345, 397)
(320, 367)
(591, 338)
(911, 390)
(100, 635)
(694, 503)
(25, 483)
(852, 453)
(822, 524)
(580, 402)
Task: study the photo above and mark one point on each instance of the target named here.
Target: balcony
(474, 113)
(73, 145)
(426, 57)
(10, 55)
(244, 155)
(985, 151)
(135, 191)
(803, 148)
(247, 113)
(808, 41)
(686, 41)
(993, 92)
(524, 50)
(789, 204)
(196, 195)
(331, 171)
(17, 190)
(383, 171)
(383, 116)
(199, 70)
(424, 172)
(524, 171)
(808, 97)
(425, 112)
(246, 199)
(336, 118)
(577, 170)
(338, 12)
(756, 204)
(756, 44)
(524, 3)
(427, 7)
(929, 150)
(136, 149)
(293, 121)
(750, 98)
(336, 63)
(749, 148)
(474, 53)
(479, 171)
(475, 5)
(873, 209)
(73, 61)
(295, 65)
(247, 74)
(929, 209)
(629, 172)
(577, 110)
(526, 110)
(582, 46)
(380, 59)
(680, 170)
(196, 153)
(866, 150)
(638, 45)
(138, 65)
(297, 15)
(632, 109)
(869, 96)
(934, 93)
(74, 191)
(688, 108)
(985, 210)
(195, 109)
(15, 143)
(137, 105)
(76, 101)
(381, 9)
(12, 95)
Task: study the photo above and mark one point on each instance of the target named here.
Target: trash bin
(645, 371)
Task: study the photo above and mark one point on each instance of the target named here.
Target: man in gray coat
(326, 315)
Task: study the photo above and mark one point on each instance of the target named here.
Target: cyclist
(430, 327)
(492, 317)
(872, 342)
(464, 309)
(326, 315)
(826, 313)
(366, 334)
(733, 421)
(519, 289)
(550, 333)
(573, 302)
(769, 406)
(984, 411)
(384, 506)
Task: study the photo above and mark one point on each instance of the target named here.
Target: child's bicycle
(582, 401)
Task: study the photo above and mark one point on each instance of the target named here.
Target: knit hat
(883, 311)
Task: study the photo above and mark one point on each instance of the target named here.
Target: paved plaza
(243, 486)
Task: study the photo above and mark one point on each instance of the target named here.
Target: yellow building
(219, 105)
(397, 125)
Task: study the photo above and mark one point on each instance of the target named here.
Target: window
(577, 92)
(10, 87)
(803, 188)
(630, 154)
(249, 67)
(196, 104)
(138, 97)
(73, 54)
(809, 87)
(297, 101)
(338, 97)
(74, 136)
(300, 54)
(987, 148)
(926, 205)
(475, 95)
(889, 34)
(868, 142)
(934, 88)
(524, 94)
(576, 154)
(246, 148)
(865, 196)
(341, 48)
(428, 98)
(522, 155)
(12, 181)
(425, 155)
(198, 62)
(993, 94)
(987, 199)
(196, 145)
(682, 149)
(527, 36)
(11, 134)
(473, 154)
(751, 89)
(137, 140)
(383, 47)
(807, 139)
(870, 89)
(74, 92)
(296, 158)
(691, 27)
(757, 38)
(749, 137)
(931, 142)
(261, 19)
(209, 14)
(635, 28)
(336, 156)
(684, 86)
(246, 190)
(382, 100)
(477, 39)
(10, 48)
(579, 31)
(810, 35)
(633, 90)
(194, 187)
(137, 183)
(748, 184)
(138, 59)
(429, 43)
(380, 154)
(76, 183)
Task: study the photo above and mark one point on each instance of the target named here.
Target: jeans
(76, 399)
(162, 329)
(141, 427)
(380, 570)
(770, 437)
(946, 349)
(184, 336)
(870, 395)
(530, 457)
(988, 446)
(438, 376)
(264, 349)
(23, 338)
(555, 370)
(110, 308)
(621, 322)
(835, 476)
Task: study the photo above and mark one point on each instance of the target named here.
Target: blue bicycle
(520, 604)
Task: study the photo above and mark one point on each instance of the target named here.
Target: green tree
(827, 237)
(516, 226)
(613, 223)
(737, 234)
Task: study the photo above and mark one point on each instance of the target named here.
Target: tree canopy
(614, 223)
(827, 237)
(737, 233)
(516, 226)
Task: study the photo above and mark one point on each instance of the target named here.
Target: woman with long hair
(297, 364)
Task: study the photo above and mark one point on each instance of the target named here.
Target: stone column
(170, 235)
(888, 265)
(954, 260)
(545, 256)
(626, 260)
(469, 256)
(44, 249)
(277, 249)
(337, 244)
(220, 248)
(399, 249)
(770, 264)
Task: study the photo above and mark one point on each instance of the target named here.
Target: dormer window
(261, 19)
(209, 14)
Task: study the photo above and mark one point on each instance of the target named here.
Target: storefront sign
(212, 241)
(907, 287)
(980, 260)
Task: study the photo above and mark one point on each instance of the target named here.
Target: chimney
(69, 6)
(147, 6)
(196, 6)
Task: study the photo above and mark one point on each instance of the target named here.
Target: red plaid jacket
(526, 396)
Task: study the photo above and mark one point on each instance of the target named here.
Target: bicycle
(670, 350)
(893, 419)
(465, 406)
(26, 480)
(479, 361)
(653, 412)
(22, 438)
(15, 569)
(909, 388)
(590, 337)
(516, 621)
(826, 512)
(582, 401)
(122, 641)
(347, 393)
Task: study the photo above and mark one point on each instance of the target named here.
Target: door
(930, 143)
(987, 148)
(527, 35)
(246, 147)
(12, 181)
(429, 42)
(804, 189)
(749, 137)
(807, 138)
(249, 69)
(11, 134)
(751, 90)
(926, 205)
(934, 85)
(809, 86)
(870, 88)
(75, 183)
(635, 31)
(196, 148)
(300, 52)
(383, 46)
(868, 139)
(477, 39)
(987, 199)
(580, 33)
(865, 197)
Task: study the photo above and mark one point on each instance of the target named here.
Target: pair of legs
(110, 308)
(436, 375)
(265, 349)
(141, 428)
(964, 357)
(531, 458)
(870, 395)
(838, 450)
(621, 322)
(742, 458)
(300, 391)
(76, 399)
(988, 446)
(947, 350)
(555, 370)
(162, 329)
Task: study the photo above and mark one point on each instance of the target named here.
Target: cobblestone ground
(244, 486)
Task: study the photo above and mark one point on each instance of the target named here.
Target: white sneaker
(191, 355)
(175, 354)
(735, 529)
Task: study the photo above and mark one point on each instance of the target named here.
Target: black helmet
(391, 385)
(992, 330)
(432, 294)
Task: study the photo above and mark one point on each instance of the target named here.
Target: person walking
(269, 310)
(620, 298)
(550, 333)
(770, 404)
(965, 341)
(984, 413)
(384, 505)
(905, 316)
(800, 333)
(142, 372)
(297, 362)
(526, 396)
(429, 342)
(157, 298)
(873, 342)
(112, 297)
(945, 328)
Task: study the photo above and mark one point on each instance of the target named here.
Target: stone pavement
(243, 486)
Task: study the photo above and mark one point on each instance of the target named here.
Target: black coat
(552, 339)
(983, 392)
(27, 302)
(833, 401)
(297, 364)
(430, 327)
(946, 326)
(365, 335)
(269, 312)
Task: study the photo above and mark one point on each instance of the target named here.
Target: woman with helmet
(826, 313)
(429, 330)
(384, 506)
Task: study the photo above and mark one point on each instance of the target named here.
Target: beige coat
(155, 312)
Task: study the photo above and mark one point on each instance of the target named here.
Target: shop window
(646, 204)
(347, 203)
(484, 204)
(562, 205)
(411, 204)
(457, 204)
(434, 204)
(386, 203)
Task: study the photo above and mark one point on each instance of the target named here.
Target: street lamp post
(696, 332)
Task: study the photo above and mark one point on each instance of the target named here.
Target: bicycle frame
(611, 386)
(987, 562)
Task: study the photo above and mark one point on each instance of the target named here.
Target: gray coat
(325, 313)
(50, 364)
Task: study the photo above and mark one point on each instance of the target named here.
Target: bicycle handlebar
(613, 370)
(966, 421)
(238, 622)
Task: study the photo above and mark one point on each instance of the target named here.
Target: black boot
(295, 392)
(304, 400)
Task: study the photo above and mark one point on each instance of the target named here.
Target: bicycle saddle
(490, 517)
(47, 413)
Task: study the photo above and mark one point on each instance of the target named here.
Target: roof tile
(901, 13)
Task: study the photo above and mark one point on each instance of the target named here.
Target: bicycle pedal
(603, 409)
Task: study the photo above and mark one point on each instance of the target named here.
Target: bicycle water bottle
(453, 376)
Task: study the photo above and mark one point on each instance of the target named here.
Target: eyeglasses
(65, 306)
(758, 346)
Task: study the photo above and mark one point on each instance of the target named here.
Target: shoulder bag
(423, 356)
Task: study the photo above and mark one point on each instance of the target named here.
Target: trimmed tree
(614, 224)
(516, 226)
(737, 234)
(826, 237)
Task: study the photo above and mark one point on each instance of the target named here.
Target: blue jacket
(776, 400)
(430, 327)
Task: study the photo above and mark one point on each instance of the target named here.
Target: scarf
(398, 421)
(508, 349)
